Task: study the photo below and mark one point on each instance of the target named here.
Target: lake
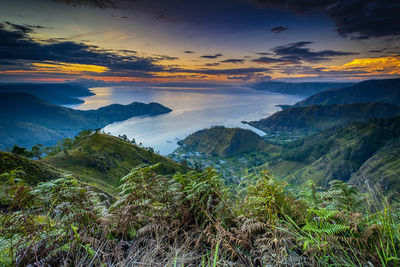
(193, 109)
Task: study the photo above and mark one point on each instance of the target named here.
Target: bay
(192, 109)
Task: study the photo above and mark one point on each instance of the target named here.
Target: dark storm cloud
(270, 60)
(278, 29)
(212, 56)
(233, 60)
(17, 46)
(299, 52)
(358, 18)
(189, 52)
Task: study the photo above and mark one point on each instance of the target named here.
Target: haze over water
(192, 109)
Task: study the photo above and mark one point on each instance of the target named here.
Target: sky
(222, 41)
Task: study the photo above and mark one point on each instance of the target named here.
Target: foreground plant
(194, 218)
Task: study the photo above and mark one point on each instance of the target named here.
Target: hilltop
(226, 142)
(321, 117)
(303, 89)
(104, 159)
(55, 93)
(27, 117)
(387, 90)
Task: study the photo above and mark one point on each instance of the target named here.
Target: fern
(326, 228)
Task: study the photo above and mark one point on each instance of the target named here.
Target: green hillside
(387, 90)
(320, 117)
(226, 142)
(345, 154)
(34, 171)
(24, 117)
(103, 159)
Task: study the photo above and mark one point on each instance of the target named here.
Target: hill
(55, 93)
(34, 171)
(26, 117)
(359, 152)
(226, 142)
(103, 159)
(303, 89)
(320, 117)
(387, 90)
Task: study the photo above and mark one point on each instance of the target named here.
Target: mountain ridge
(30, 111)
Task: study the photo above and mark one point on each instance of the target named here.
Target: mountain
(387, 90)
(23, 116)
(188, 84)
(103, 159)
(303, 89)
(359, 152)
(55, 93)
(226, 142)
(319, 117)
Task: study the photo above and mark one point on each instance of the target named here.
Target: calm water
(193, 109)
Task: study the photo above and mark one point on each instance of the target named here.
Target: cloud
(254, 77)
(17, 47)
(360, 19)
(298, 52)
(279, 29)
(270, 60)
(212, 64)
(236, 71)
(212, 56)
(189, 52)
(263, 53)
(92, 3)
(233, 60)
(370, 66)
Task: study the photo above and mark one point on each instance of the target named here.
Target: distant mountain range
(55, 93)
(187, 84)
(387, 91)
(27, 120)
(319, 117)
(356, 103)
(302, 89)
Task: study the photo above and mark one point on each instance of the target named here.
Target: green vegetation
(194, 219)
(227, 142)
(34, 171)
(31, 120)
(361, 153)
(320, 117)
(347, 153)
(103, 159)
